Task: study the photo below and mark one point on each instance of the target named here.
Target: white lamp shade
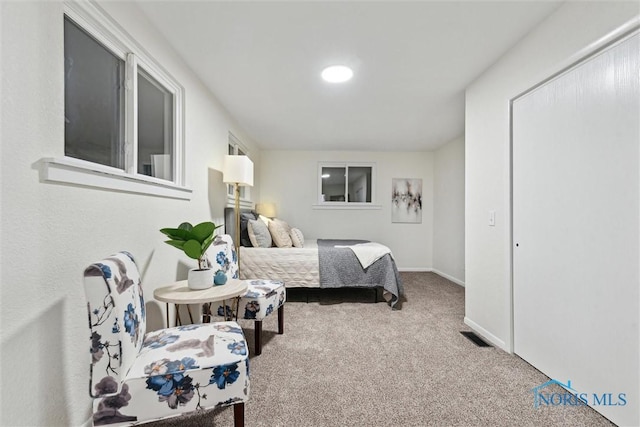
(238, 169)
(266, 209)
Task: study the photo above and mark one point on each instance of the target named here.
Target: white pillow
(259, 234)
(265, 219)
(280, 233)
(297, 238)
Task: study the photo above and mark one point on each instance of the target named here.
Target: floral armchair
(138, 376)
(262, 298)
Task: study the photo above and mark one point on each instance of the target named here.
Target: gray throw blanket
(339, 267)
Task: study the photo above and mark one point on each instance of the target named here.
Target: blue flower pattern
(224, 374)
(223, 262)
(131, 322)
(238, 347)
(251, 309)
(175, 377)
(172, 385)
(225, 256)
(221, 259)
(106, 271)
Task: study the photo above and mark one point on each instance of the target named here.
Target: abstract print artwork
(406, 200)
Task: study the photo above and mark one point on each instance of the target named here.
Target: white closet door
(576, 190)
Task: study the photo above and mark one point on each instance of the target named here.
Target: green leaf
(185, 226)
(203, 230)
(207, 243)
(166, 231)
(177, 233)
(193, 249)
(175, 243)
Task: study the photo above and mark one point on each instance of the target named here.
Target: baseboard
(415, 270)
(485, 334)
(451, 278)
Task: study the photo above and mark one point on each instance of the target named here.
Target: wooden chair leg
(238, 414)
(258, 338)
(281, 319)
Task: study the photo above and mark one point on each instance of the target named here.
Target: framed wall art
(406, 200)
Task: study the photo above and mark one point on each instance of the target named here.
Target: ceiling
(411, 60)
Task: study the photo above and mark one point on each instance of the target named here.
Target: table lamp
(237, 170)
(266, 209)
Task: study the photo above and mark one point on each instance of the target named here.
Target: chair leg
(258, 339)
(238, 414)
(281, 319)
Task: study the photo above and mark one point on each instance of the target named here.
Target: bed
(322, 263)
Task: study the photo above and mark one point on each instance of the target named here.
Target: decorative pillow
(265, 219)
(280, 233)
(297, 238)
(259, 234)
(245, 217)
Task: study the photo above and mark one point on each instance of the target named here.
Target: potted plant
(194, 242)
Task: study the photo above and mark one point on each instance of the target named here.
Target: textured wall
(50, 232)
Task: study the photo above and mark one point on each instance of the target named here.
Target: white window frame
(92, 19)
(322, 204)
(245, 191)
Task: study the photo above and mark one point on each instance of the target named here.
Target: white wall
(289, 179)
(51, 232)
(572, 28)
(448, 211)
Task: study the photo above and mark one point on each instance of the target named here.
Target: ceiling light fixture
(337, 74)
(325, 175)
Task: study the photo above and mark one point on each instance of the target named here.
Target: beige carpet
(346, 361)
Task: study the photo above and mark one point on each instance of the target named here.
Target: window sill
(68, 170)
(348, 206)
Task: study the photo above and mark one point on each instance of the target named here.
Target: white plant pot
(200, 279)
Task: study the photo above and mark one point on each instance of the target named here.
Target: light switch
(492, 218)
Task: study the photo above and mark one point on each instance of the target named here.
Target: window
(123, 111)
(346, 183)
(236, 148)
(155, 128)
(93, 99)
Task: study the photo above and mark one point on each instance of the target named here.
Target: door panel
(576, 188)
